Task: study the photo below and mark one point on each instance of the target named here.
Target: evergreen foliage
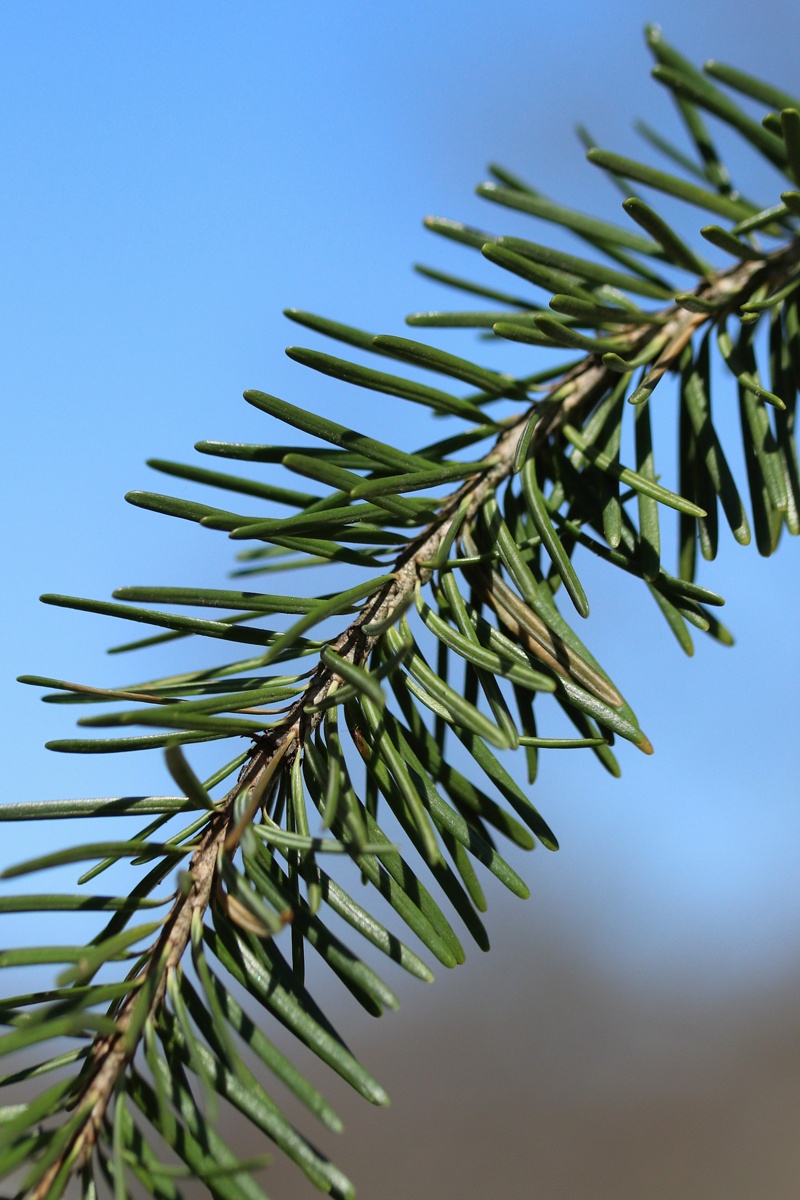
(459, 624)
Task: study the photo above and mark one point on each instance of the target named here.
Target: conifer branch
(111, 1054)
(254, 864)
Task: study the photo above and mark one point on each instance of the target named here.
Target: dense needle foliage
(337, 711)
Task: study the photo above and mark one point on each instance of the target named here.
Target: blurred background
(173, 177)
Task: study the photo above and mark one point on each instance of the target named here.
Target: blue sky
(176, 175)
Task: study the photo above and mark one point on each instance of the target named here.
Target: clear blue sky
(173, 176)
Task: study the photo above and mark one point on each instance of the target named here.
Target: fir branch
(493, 537)
(111, 1055)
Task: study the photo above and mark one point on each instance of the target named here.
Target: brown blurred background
(533, 1076)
